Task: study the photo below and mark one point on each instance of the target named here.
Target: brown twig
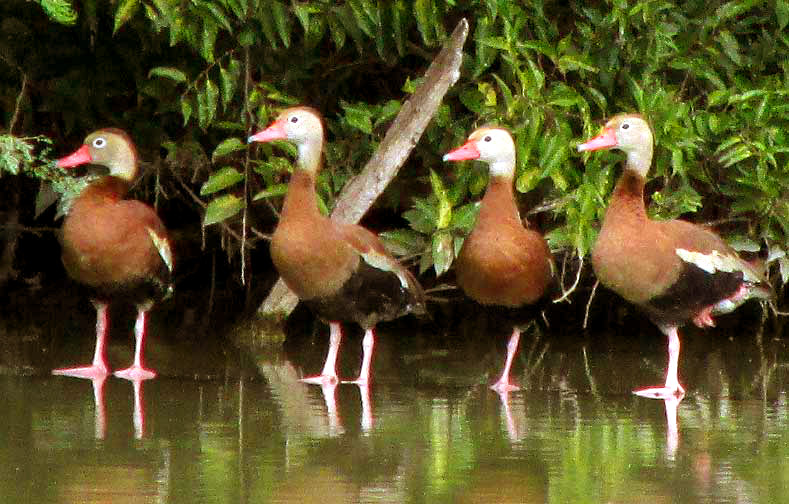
(566, 293)
(589, 302)
(18, 107)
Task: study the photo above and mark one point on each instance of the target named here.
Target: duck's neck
(639, 158)
(627, 201)
(498, 204)
(108, 186)
(310, 155)
(301, 201)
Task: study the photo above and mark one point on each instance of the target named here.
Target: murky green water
(428, 430)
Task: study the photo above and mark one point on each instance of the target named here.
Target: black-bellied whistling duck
(673, 270)
(114, 246)
(501, 263)
(341, 271)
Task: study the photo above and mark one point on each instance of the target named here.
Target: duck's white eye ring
(100, 143)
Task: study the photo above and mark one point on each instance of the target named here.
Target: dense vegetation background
(190, 79)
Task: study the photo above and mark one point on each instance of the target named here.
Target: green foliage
(31, 156)
(15, 154)
(713, 87)
(198, 77)
(60, 11)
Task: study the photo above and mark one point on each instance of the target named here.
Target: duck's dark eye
(625, 126)
(99, 143)
(487, 138)
(294, 119)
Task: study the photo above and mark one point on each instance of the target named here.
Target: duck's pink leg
(329, 373)
(368, 345)
(98, 369)
(672, 388)
(138, 371)
(503, 384)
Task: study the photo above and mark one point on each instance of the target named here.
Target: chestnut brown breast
(501, 262)
(106, 239)
(306, 248)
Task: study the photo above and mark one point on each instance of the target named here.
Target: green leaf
(207, 102)
(60, 11)
(169, 73)
(210, 31)
(222, 208)
(499, 43)
(464, 217)
(444, 214)
(568, 63)
(247, 38)
(403, 242)
(186, 109)
(302, 12)
(359, 118)
(272, 191)
(423, 12)
(226, 147)
(527, 180)
(126, 10)
(281, 22)
(420, 220)
(730, 46)
(218, 15)
(541, 47)
(443, 252)
(221, 179)
(388, 112)
(267, 24)
(398, 25)
(505, 93)
(473, 100)
(782, 15)
(735, 155)
(227, 81)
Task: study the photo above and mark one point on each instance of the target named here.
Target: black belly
(694, 290)
(370, 295)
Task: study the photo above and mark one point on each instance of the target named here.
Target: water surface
(428, 430)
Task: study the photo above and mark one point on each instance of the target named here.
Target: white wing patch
(163, 247)
(715, 261)
(383, 263)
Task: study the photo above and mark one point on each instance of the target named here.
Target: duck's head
(301, 125)
(110, 147)
(489, 144)
(629, 133)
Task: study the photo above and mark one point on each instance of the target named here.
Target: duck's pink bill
(466, 151)
(604, 140)
(274, 132)
(78, 157)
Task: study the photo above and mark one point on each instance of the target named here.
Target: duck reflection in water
(100, 409)
(301, 412)
(672, 432)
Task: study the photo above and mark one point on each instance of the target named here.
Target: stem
(567, 293)
(18, 107)
(247, 126)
